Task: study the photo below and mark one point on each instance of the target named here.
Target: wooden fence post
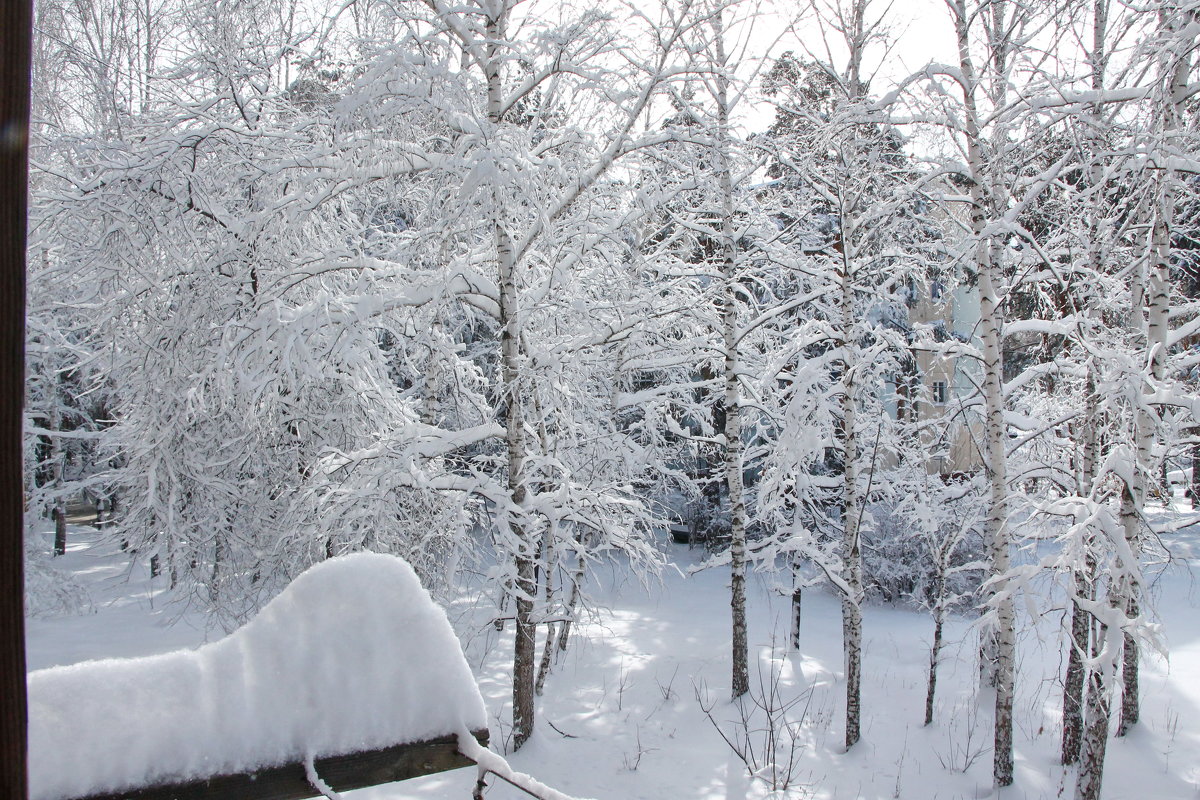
(16, 18)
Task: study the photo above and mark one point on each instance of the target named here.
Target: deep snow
(353, 655)
(629, 724)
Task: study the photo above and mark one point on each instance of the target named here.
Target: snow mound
(352, 656)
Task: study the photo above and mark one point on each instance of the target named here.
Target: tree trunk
(1132, 505)
(525, 555)
(1084, 580)
(999, 661)
(797, 597)
(524, 654)
(1175, 70)
(548, 647)
(997, 528)
(1095, 736)
(547, 656)
(59, 510)
(60, 528)
(564, 630)
(851, 504)
(1073, 682)
(1133, 499)
(1195, 482)
(939, 618)
(733, 411)
(1130, 689)
(935, 653)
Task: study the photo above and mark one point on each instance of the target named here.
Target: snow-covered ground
(622, 718)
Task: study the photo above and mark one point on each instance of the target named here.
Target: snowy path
(625, 696)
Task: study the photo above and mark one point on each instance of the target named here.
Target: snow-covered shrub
(909, 547)
(50, 592)
(895, 562)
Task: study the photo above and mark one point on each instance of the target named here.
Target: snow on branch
(495, 764)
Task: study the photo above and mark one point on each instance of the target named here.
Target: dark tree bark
(15, 39)
(1194, 486)
(797, 604)
(60, 528)
(59, 512)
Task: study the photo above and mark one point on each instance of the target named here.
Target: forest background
(509, 290)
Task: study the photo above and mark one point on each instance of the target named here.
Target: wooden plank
(16, 20)
(342, 773)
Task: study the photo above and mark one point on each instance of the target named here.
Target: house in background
(941, 390)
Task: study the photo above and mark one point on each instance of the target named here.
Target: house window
(940, 393)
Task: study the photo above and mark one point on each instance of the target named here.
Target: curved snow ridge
(353, 655)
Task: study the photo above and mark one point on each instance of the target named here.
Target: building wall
(956, 312)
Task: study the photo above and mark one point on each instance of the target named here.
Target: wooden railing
(340, 773)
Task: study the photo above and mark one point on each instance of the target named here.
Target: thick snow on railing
(352, 656)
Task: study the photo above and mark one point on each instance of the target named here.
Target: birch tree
(1153, 395)
(984, 126)
(847, 159)
(730, 279)
(1174, 66)
(1087, 440)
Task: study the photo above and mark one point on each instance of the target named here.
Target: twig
(560, 733)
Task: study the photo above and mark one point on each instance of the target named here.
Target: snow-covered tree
(858, 239)
(984, 123)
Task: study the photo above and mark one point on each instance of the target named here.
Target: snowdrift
(352, 656)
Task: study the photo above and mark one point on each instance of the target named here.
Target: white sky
(920, 30)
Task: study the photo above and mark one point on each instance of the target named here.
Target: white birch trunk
(1001, 653)
(1095, 734)
(733, 419)
(1074, 682)
(1084, 579)
(543, 670)
(935, 651)
(1175, 70)
(945, 553)
(851, 503)
(564, 630)
(525, 557)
